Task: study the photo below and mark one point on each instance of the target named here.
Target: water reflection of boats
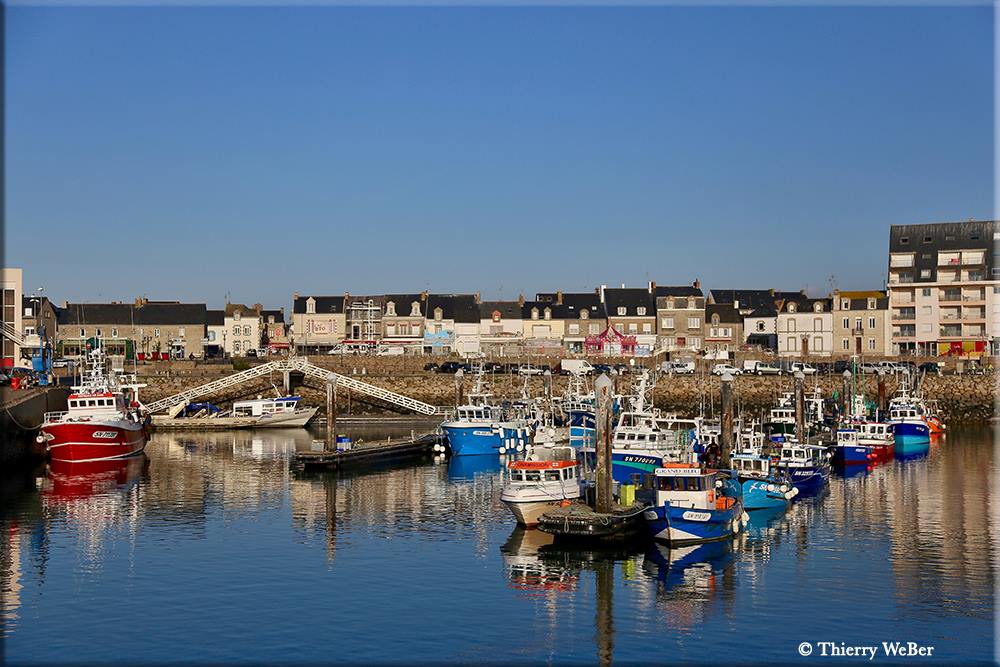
(526, 569)
(467, 467)
(67, 481)
(691, 568)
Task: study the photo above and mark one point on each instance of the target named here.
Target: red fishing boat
(104, 421)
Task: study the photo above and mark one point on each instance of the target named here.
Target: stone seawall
(960, 398)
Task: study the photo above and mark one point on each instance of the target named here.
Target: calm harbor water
(211, 549)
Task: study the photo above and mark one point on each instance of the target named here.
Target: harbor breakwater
(959, 398)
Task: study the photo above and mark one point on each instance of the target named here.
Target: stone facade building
(318, 323)
(723, 329)
(243, 329)
(860, 323)
(805, 328)
(680, 315)
(148, 329)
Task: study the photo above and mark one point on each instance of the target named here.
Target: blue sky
(192, 153)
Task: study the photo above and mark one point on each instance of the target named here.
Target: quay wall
(960, 398)
(21, 415)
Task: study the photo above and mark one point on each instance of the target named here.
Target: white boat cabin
(905, 413)
(106, 403)
(874, 432)
(802, 456)
(260, 407)
(847, 436)
(690, 487)
(758, 467)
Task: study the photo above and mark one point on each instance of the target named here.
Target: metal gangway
(300, 364)
(11, 333)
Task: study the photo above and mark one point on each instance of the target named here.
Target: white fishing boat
(279, 412)
(549, 477)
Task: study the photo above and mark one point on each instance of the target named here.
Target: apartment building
(944, 288)
(12, 325)
(680, 315)
(318, 323)
(805, 327)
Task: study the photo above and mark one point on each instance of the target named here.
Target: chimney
(258, 307)
(771, 291)
(697, 284)
(423, 295)
(520, 299)
(138, 302)
(736, 304)
(295, 296)
(477, 298)
(652, 287)
(602, 288)
(559, 297)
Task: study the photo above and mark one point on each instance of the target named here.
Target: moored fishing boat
(481, 427)
(279, 412)
(848, 450)
(878, 436)
(910, 432)
(550, 477)
(104, 419)
(807, 466)
(763, 487)
(694, 505)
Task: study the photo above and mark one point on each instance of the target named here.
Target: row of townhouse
(166, 329)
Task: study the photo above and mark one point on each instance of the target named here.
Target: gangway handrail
(295, 364)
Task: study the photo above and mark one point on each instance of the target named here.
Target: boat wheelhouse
(849, 451)
(481, 427)
(764, 487)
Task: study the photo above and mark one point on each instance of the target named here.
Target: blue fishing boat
(694, 505)
(763, 487)
(806, 466)
(848, 450)
(483, 428)
(910, 431)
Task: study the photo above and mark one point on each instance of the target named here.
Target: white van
(576, 366)
(677, 367)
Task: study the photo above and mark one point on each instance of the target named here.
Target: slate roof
(279, 315)
(509, 310)
(726, 312)
(752, 298)
(574, 303)
(631, 298)
(403, 303)
(677, 290)
(805, 304)
(458, 307)
(764, 310)
(324, 304)
(215, 317)
(127, 313)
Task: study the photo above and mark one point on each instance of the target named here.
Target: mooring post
(846, 395)
(726, 434)
(287, 376)
(547, 384)
(331, 413)
(602, 446)
(459, 387)
(800, 406)
(881, 390)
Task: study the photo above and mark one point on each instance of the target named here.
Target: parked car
(602, 368)
(678, 367)
(765, 368)
(890, 367)
(621, 369)
(453, 367)
(390, 351)
(930, 368)
(842, 365)
(430, 366)
(251, 353)
(806, 369)
(869, 368)
(493, 367)
(575, 367)
(720, 369)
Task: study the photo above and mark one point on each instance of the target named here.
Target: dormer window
(534, 313)
(438, 314)
(845, 305)
(495, 316)
(236, 314)
(621, 310)
(548, 313)
(871, 304)
(818, 307)
(641, 310)
(390, 309)
(670, 303)
(310, 306)
(270, 319)
(584, 314)
(715, 320)
(791, 307)
(415, 309)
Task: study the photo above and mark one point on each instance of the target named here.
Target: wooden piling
(726, 434)
(800, 406)
(331, 414)
(604, 398)
(459, 387)
(881, 391)
(846, 395)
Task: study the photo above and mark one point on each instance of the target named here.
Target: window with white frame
(633, 327)
(790, 326)
(871, 322)
(846, 344)
(647, 327)
(845, 304)
(246, 330)
(390, 309)
(595, 328)
(114, 332)
(156, 332)
(584, 314)
(694, 323)
(534, 313)
(311, 306)
(871, 304)
(817, 324)
(622, 310)
(817, 344)
(871, 344)
(415, 309)
(694, 341)
(236, 346)
(180, 332)
(667, 322)
(236, 330)
(574, 329)
(97, 332)
(846, 322)
(548, 313)
(793, 343)
(640, 311)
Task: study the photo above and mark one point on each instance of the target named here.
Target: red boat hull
(94, 441)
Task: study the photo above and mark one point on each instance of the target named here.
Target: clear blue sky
(193, 152)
